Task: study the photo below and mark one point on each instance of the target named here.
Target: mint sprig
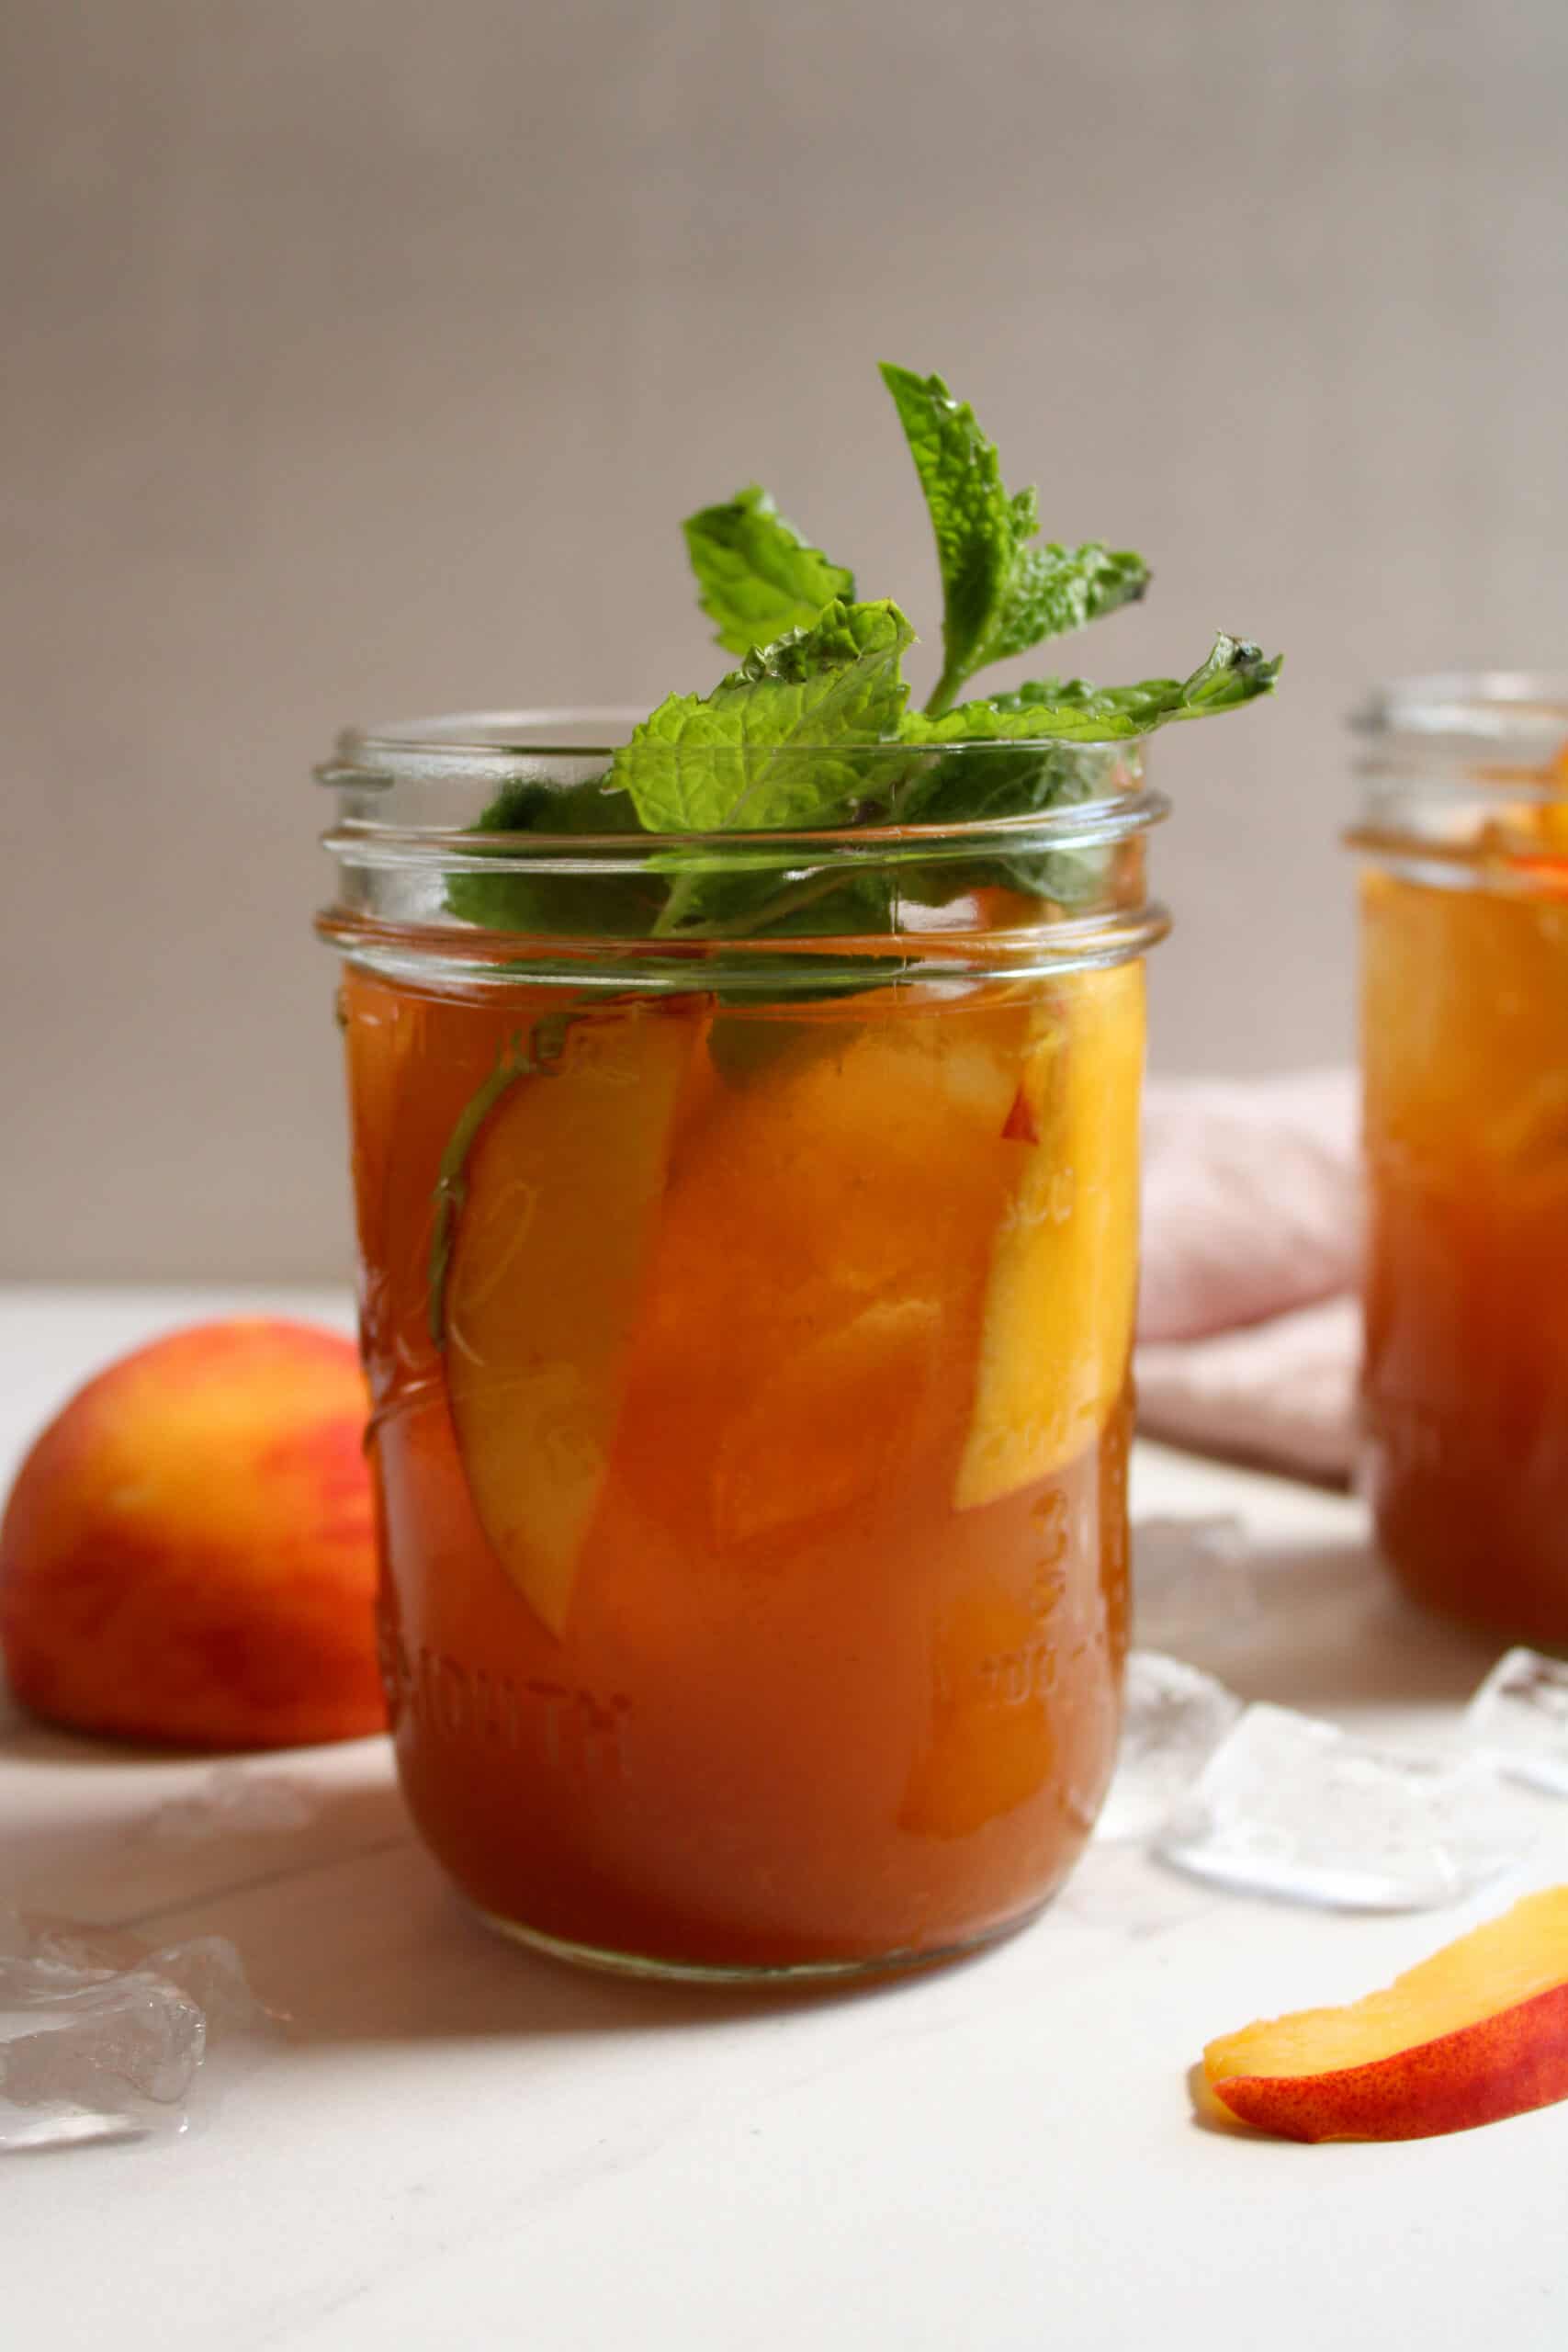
(1000, 595)
(757, 577)
(1071, 710)
(812, 731)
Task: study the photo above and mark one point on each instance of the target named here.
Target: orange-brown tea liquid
(751, 1427)
(1466, 1381)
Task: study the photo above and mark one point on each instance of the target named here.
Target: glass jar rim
(417, 823)
(1516, 717)
(1462, 772)
(599, 730)
(493, 748)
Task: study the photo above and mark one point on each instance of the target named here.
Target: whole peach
(188, 1554)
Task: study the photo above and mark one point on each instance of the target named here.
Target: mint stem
(942, 693)
(539, 1057)
(789, 899)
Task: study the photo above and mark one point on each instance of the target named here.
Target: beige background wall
(362, 355)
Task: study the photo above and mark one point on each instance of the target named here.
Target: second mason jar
(1464, 897)
(747, 1298)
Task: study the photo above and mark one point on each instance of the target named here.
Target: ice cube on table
(1190, 1578)
(1293, 1807)
(209, 1971)
(233, 1802)
(40, 1937)
(119, 2054)
(1518, 1719)
(1173, 1717)
(101, 2038)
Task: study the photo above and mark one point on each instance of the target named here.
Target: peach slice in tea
(561, 1192)
(814, 1307)
(1060, 1294)
(991, 1745)
(824, 1414)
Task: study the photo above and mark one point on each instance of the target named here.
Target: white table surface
(462, 2146)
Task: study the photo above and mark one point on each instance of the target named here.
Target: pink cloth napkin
(1248, 1322)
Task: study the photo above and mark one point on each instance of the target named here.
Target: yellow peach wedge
(1058, 1316)
(560, 1215)
(1477, 2032)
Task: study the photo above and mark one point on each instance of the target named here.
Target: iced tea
(1465, 1042)
(751, 1391)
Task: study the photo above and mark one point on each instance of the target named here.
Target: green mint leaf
(977, 525)
(964, 789)
(553, 903)
(1056, 590)
(1000, 594)
(1071, 710)
(757, 575)
(774, 745)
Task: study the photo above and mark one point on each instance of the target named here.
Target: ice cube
(71, 1944)
(1293, 1807)
(1518, 1719)
(102, 2038)
(209, 1971)
(109, 2056)
(50, 1954)
(1191, 1577)
(45, 1983)
(234, 1802)
(1173, 1718)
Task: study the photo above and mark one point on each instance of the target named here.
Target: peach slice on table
(561, 1194)
(1059, 1298)
(1477, 2032)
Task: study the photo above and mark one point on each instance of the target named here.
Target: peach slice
(813, 1312)
(1059, 1298)
(991, 1745)
(560, 1206)
(867, 1152)
(824, 1414)
(1477, 2032)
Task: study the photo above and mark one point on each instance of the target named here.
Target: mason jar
(1463, 838)
(747, 1231)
